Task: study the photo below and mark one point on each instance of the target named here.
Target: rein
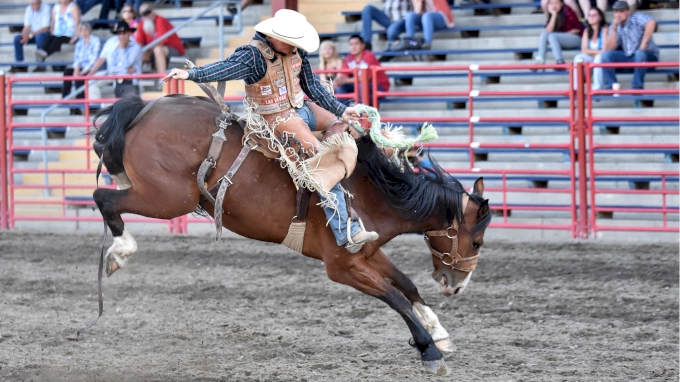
(452, 258)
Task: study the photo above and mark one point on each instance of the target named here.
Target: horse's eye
(475, 245)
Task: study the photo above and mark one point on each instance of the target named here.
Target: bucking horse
(154, 151)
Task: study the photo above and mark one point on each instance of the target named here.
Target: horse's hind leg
(381, 263)
(124, 245)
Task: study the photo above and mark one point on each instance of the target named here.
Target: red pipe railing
(579, 118)
(591, 120)
(4, 200)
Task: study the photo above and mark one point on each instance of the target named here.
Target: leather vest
(279, 89)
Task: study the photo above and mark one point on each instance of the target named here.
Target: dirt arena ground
(187, 309)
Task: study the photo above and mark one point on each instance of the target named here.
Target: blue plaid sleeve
(315, 91)
(245, 64)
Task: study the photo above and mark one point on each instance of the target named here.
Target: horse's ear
(483, 208)
(479, 187)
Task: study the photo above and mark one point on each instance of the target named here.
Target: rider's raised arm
(245, 64)
(315, 91)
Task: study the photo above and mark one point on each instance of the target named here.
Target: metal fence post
(4, 204)
(580, 116)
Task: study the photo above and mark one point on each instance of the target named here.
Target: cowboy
(278, 75)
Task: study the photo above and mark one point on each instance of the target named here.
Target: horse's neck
(378, 211)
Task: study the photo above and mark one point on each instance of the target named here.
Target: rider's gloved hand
(350, 115)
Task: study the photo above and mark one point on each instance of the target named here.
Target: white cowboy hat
(292, 28)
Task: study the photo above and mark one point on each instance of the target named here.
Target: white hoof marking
(122, 248)
(430, 321)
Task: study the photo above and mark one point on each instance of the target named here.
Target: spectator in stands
(632, 33)
(125, 59)
(36, 30)
(110, 44)
(152, 26)
(87, 50)
(329, 59)
(127, 13)
(65, 28)
(361, 58)
(428, 16)
(593, 44)
(562, 30)
(392, 17)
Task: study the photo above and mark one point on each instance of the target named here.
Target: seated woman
(428, 16)
(87, 50)
(64, 29)
(592, 44)
(562, 30)
(329, 59)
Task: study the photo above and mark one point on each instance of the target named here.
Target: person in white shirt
(36, 30)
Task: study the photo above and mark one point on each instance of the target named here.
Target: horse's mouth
(447, 290)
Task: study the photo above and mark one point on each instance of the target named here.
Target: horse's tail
(110, 136)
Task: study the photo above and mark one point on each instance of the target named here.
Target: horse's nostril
(458, 290)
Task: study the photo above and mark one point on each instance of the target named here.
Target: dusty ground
(188, 309)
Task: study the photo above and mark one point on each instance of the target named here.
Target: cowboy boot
(338, 219)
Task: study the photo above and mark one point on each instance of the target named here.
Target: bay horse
(154, 164)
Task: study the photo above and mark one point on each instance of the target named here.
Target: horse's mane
(417, 194)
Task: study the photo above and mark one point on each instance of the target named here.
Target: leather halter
(453, 258)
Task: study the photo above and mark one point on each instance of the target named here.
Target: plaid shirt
(397, 9)
(248, 64)
(629, 34)
(86, 55)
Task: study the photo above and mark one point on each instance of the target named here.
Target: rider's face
(281, 46)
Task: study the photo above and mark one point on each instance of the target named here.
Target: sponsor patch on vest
(279, 82)
(283, 90)
(279, 72)
(274, 100)
(295, 65)
(266, 90)
(295, 59)
(284, 105)
(296, 72)
(267, 109)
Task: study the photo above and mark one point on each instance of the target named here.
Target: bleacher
(503, 32)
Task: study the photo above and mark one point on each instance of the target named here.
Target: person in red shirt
(361, 58)
(152, 26)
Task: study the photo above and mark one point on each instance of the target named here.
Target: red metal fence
(579, 119)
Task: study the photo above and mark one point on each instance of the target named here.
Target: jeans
(620, 56)
(557, 40)
(429, 22)
(38, 39)
(596, 79)
(338, 221)
(307, 116)
(135, 4)
(371, 13)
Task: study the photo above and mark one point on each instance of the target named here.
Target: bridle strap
(452, 258)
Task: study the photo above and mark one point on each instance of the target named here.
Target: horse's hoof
(445, 345)
(436, 367)
(111, 265)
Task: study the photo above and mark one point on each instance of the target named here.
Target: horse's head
(455, 248)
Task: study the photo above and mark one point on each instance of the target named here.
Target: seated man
(152, 26)
(391, 17)
(36, 30)
(361, 58)
(125, 59)
(632, 34)
(278, 75)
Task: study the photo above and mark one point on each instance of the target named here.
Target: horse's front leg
(381, 263)
(357, 273)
